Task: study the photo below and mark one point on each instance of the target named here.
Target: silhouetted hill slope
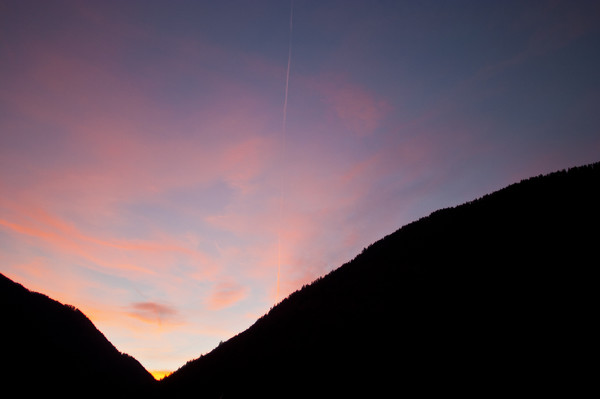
(53, 349)
(493, 296)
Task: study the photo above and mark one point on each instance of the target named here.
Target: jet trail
(287, 74)
(283, 134)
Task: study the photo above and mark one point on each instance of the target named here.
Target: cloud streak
(152, 312)
(225, 294)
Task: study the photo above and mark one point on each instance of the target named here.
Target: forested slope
(490, 296)
(49, 349)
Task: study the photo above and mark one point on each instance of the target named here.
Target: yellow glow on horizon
(160, 374)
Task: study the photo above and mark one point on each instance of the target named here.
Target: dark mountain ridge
(51, 348)
(492, 296)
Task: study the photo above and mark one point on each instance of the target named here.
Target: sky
(156, 173)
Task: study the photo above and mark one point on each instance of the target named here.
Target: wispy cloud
(153, 312)
(226, 294)
(359, 109)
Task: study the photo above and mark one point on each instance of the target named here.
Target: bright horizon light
(160, 374)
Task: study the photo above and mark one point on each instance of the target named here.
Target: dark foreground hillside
(54, 350)
(493, 296)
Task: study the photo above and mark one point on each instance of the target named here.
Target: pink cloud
(153, 312)
(356, 107)
(225, 294)
(127, 257)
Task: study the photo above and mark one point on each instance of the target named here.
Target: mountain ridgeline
(490, 297)
(49, 348)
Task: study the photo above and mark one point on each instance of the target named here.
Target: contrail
(283, 134)
(287, 74)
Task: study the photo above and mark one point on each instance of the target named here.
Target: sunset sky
(147, 176)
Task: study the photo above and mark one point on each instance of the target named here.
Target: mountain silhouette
(49, 349)
(490, 297)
